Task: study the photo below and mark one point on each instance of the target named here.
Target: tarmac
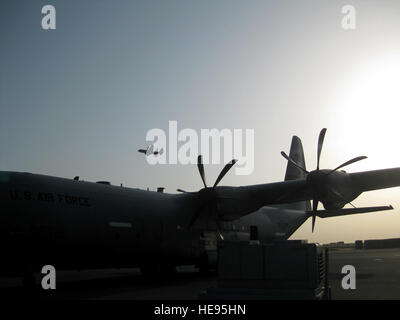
(377, 277)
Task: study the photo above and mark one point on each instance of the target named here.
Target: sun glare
(370, 111)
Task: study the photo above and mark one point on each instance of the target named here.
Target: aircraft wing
(300, 190)
(376, 179)
(235, 202)
(280, 192)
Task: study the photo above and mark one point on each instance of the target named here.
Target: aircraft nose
(4, 188)
(4, 177)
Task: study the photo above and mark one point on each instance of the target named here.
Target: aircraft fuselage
(76, 225)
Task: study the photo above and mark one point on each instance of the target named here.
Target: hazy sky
(80, 99)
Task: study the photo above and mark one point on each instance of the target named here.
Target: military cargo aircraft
(74, 224)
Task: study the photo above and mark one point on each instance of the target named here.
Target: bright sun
(366, 117)
(370, 112)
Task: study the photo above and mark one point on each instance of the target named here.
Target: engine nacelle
(333, 189)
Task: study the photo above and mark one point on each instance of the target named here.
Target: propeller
(317, 178)
(208, 195)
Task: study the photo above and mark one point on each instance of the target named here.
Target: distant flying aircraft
(150, 151)
(74, 224)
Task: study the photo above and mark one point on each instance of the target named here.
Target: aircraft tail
(294, 173)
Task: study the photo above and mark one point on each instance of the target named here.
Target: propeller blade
(338, 194)
(201, 169)
(314, 209)
(320, 143)
(219, 229)
(315, 205)
(293, 162)
(227, 167)
(348, 162)
(353, 205)
(313, 222)
(196, 216)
